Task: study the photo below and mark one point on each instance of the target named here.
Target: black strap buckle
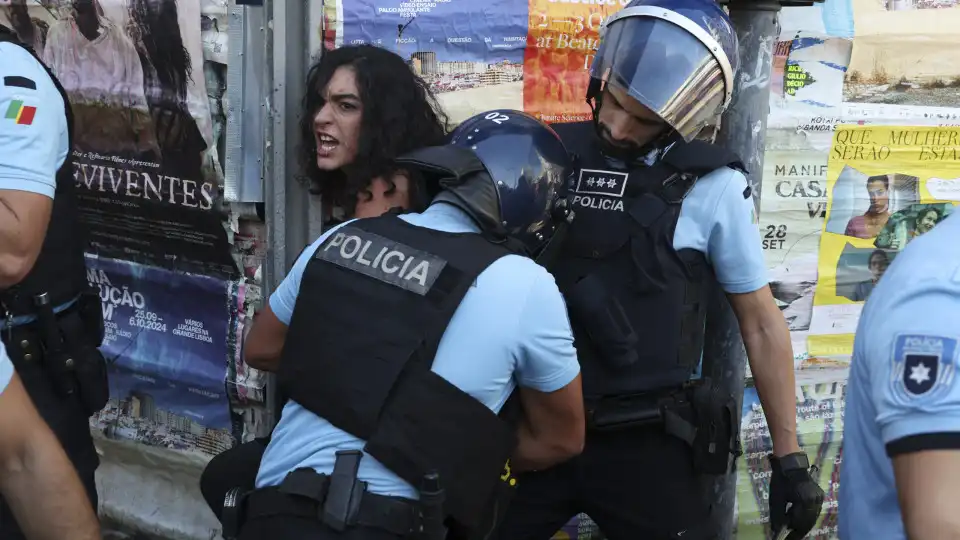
(344, 493)
(676, 187)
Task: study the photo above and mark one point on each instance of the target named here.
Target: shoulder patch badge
(923, 366)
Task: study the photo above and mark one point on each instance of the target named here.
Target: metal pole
(742, 130)
(287, 204)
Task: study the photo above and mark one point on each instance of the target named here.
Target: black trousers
(635, 484)
(296, 528)
(69, 421)
(233, 468)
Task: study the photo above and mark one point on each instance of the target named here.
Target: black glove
(795, 498)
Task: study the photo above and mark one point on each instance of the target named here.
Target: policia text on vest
(379, 386)
(391, 262)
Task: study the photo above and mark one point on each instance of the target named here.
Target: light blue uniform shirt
(902, 377)
(716, 220)
(510, 329)
(6, 368)
(30, 154)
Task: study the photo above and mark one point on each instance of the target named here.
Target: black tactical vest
(374, 301)
(60, 269)
(637, 305)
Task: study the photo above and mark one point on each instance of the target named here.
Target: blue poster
(167, 345)
(470, 53)
(442, 31)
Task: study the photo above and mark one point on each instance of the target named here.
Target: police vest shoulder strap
(700, 158)
(684, 164)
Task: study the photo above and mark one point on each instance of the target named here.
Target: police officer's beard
(626, 152)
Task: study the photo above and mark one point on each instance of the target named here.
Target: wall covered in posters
(166, 342)
(150, 115)
(147, 125)
(840, 64)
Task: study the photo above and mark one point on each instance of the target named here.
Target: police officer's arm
(735, 251)
(33, 145)
(551, 429)
(921, 430)
(36, 478)
(264, 343)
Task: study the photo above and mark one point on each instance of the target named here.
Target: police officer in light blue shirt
(660, 214)
(510, 331)
(901, 436)
(50, 322)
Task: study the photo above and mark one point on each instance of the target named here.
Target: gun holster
(600, 314)
(709, 426)
(90, 309)
(88, 364)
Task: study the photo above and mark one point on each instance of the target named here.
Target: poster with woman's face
(149, 183)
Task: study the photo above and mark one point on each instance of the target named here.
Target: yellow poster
(886, 185)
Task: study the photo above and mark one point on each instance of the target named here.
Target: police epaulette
(700, 158)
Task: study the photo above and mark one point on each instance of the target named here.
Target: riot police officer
(43, 489)
(51, 324)
(659, 214)
(400, 340)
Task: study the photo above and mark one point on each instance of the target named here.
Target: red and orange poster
(561, 43)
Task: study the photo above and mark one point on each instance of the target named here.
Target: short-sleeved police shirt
(903, 394)
(510, 329)
(33, 126)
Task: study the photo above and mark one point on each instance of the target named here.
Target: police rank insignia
(923, 366)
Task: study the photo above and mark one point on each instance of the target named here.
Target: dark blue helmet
(678, 58)
(509, 171)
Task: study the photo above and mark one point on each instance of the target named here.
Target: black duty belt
(393, 514)
(670, 409)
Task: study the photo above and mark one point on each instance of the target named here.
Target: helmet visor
(665, 68)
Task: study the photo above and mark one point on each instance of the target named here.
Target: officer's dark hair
(880, 178)
(400, 114)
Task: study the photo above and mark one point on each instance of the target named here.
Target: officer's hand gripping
(795, 498)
